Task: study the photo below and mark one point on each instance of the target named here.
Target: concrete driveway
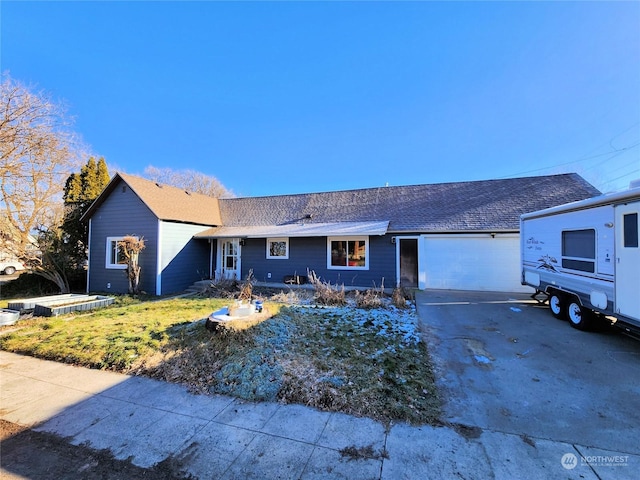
(505, 364)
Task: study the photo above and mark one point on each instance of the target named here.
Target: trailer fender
(598, 299)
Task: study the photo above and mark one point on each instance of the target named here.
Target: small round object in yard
(258, 306)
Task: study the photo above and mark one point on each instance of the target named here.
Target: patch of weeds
(246, 289)
(292, 297)
(399, 298)
(223, 288)
(325, 293)
(252, 372)
(363, 453)
(256, 377)
(368, 299)
(239, 363)
(363, 362)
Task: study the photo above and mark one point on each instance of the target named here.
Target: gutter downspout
(88, 257)
(211, 259)
(159, 259)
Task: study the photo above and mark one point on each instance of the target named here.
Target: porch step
(198, 287)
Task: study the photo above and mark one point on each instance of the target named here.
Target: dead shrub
(222, 288)
(292, 297)
(231, 288)
(325, 293)
(369, 299)
(246, 289)
(363, 453)
(399, 297)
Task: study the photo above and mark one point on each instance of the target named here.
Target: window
(278, 248)
(348, 253)
(579, 250)
(115, 257)
(630, 226)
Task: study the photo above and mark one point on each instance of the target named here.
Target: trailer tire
(557, 306)
(579, 317)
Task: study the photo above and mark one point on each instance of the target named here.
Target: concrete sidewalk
(213, 437)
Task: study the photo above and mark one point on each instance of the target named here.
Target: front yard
(366, 362)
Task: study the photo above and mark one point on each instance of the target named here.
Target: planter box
(53, 309)
(27, 304)
(8, 317)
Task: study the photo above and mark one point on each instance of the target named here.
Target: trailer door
(627, 282)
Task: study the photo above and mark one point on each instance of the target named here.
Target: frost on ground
(366, 362)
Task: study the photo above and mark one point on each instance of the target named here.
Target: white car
(9, 267)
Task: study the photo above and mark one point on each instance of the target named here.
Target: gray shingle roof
(461, 206)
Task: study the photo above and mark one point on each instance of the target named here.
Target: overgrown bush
(231, 288)
(325, 293)
(28, 285)
(223, 288)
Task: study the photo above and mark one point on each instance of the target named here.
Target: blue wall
(311, 253)
(183, 259)
(122, 213)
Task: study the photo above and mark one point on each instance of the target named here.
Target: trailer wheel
(556, 305)
(579, 317)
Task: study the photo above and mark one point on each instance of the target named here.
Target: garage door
(472, 262)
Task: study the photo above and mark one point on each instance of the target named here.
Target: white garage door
(472, 262)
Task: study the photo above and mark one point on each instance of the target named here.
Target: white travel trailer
(585, 257)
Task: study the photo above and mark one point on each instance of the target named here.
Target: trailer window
(631, 230)
(579, 250)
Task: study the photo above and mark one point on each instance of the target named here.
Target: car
(9, 266)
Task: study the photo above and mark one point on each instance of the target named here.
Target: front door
(627, 284)
(229, 249)
(408, 254)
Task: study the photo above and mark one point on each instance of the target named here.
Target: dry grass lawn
(362, 361)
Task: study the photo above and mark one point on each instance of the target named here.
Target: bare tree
(190, 180)
(38, 151)
(131, 246)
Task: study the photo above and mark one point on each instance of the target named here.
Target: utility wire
(615, 154)
(632, 172)
(587, 156)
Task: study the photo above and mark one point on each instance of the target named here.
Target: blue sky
(290, 97)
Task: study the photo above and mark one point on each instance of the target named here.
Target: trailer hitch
(539, 300)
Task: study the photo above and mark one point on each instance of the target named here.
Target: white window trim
(348, 239)
(278, 239)
(107, 259)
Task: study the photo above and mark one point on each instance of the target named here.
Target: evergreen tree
(102, 174)
(80, 190)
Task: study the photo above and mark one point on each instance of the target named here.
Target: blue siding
(122, 213)
(183, 259)
(311, 254)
